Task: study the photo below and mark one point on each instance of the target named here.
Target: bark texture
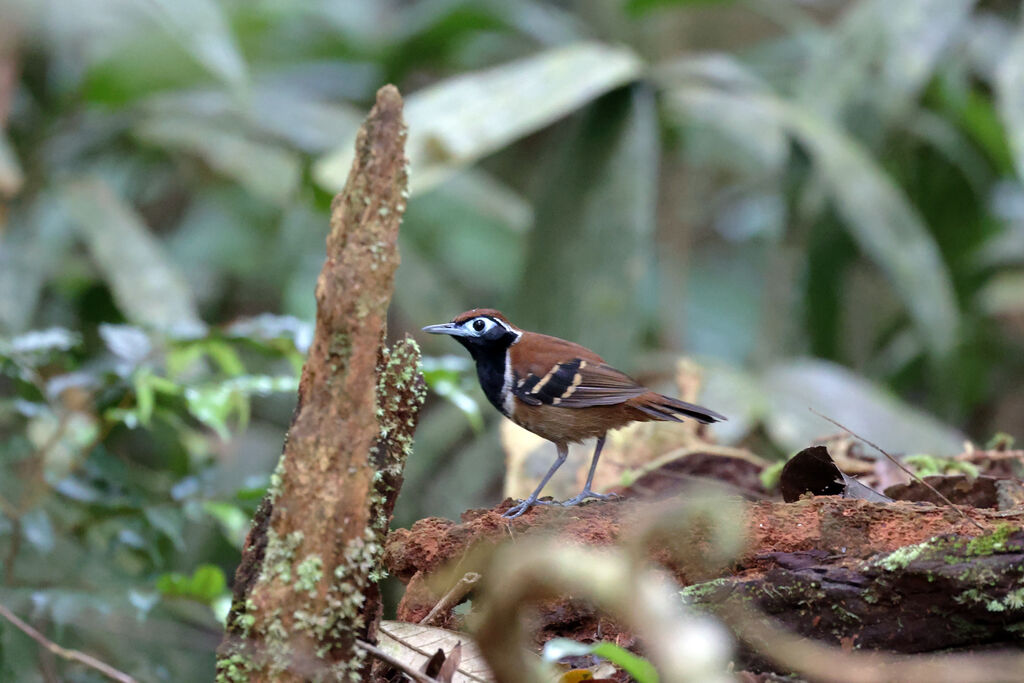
(305, 588)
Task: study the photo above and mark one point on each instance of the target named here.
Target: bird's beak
(446, 328)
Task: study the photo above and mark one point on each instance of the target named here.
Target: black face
(480, 335)
(487, 339)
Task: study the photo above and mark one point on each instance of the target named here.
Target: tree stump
(305, 590)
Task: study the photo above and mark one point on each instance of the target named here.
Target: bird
(558, 390)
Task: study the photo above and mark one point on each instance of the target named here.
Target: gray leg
(524, 505)
(587, 493)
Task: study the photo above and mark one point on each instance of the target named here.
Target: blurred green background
(820, 201)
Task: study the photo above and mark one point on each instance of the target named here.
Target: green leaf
(146, 286)
(798, 386)
(202, 29)
(38, 530)
(639, 668)
(265, 170)
(127, 342)
(206, 584)
(1003, 294)
(893, 46)
(874, 210)
(169, 522)
(214, 404)
(40, 342)
(226, 358)
(1010, 98)
(593, 241)
(639, 8)
(268, 327)
(33, 244)
(462, 119)
(145, 396)
(233, 522)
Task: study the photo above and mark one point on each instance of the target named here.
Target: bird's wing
(577, 383)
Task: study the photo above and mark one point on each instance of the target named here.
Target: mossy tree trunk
(305, 589)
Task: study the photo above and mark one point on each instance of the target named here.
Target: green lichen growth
(277, 562)
(245, 622)
(339, 350)
(902, 557)
(927, 465)
(699, 592)
(993, 602)
(274, 489)
(1015, 599)
(845, 615)
(235, 668)
(992, 543)
(310, 571)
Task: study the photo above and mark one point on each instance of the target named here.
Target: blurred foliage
(753, 183)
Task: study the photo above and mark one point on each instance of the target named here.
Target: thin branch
(417, 676)
(452, 597)
(900, 465)
(65, 653)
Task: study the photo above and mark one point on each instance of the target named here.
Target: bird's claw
(586, 494)
(524, 505)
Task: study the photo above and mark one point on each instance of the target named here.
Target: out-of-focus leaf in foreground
(145, 284)
(460, 120)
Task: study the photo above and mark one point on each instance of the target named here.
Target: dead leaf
(451, 665)
(813, 471)
(415, 646)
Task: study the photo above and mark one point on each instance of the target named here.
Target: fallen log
(809, 530)
(950, 591)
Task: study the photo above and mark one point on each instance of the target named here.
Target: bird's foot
(586, 494)
(524, 505)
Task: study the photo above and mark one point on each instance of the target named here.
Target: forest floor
(906, 576)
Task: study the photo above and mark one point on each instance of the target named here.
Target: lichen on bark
(305, 588)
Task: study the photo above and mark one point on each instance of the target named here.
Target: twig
(896, 462)
(417, 676)
(65, 653)
(452, 597)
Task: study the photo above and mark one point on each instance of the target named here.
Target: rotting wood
(948, 592)
(305, 590)
(848, 531)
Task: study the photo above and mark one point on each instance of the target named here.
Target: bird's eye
(478, 325)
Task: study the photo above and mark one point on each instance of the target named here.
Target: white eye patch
(479, 326)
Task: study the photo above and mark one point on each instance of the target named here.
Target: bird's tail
(660, 407)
